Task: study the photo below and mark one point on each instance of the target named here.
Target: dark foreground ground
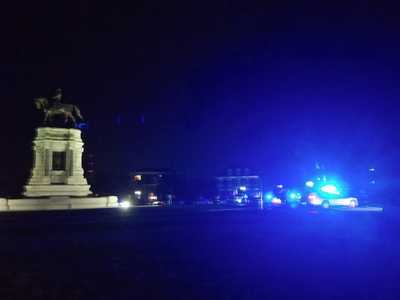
(157, 253)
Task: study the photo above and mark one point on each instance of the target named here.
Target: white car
(316, 200)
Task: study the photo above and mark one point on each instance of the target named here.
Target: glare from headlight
(125, 204)
(276, 201)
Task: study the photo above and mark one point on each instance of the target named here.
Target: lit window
(137, 177)
(138, 193)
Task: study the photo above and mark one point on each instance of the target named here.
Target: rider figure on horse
(57, 98)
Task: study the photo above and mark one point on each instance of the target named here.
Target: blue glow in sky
(204, 87)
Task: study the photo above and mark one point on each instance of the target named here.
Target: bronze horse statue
(68, 110)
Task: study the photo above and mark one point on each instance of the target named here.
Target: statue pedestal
(58, 203)
(57, 169)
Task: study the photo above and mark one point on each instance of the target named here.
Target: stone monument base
(53, 190)
(57, 168)
(57, 203)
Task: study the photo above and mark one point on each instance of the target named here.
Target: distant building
(153, 187)
(239, 186)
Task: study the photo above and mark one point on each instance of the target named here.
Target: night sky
(198, 87)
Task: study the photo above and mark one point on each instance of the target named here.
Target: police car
(328, 196)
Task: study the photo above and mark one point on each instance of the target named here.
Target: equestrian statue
(57, 108)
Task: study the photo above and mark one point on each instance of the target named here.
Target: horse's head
(41, 103)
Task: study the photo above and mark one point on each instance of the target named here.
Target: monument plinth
(57, 169)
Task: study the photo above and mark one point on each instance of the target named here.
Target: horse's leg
(70, 116)
(73, 119)
(46, 117)
(65, 117)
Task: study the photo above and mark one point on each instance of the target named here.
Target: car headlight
(276, 201)
(125, 204)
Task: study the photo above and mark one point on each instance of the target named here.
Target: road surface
(161, 253)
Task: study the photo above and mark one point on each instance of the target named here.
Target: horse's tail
(78, 112)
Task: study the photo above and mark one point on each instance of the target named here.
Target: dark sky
(198, 87)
